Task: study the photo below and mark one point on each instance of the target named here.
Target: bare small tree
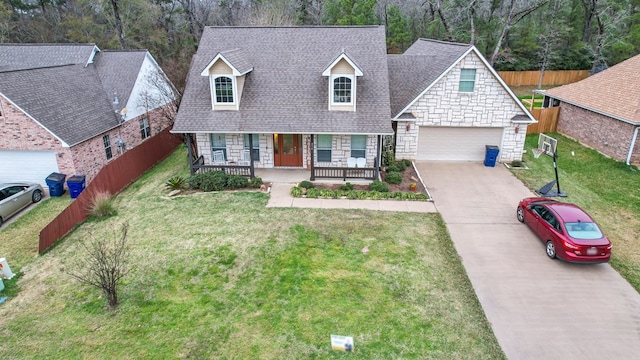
(103, 262)
(160, 95)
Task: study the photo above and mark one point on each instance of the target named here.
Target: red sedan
(566, 230)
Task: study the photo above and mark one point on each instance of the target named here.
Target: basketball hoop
(537, 152)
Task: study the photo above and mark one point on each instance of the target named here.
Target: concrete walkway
(538, 308)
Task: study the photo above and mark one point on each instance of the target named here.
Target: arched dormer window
(342, 90)
(224, 90)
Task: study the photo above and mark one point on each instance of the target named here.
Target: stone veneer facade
(340, 151)
(88, 157)
(608, 136)
(489, 105)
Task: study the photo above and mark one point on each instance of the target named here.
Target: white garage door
(32, 166)
(455, 143)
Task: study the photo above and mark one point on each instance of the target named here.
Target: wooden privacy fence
(113, 178)
(531, 78)
(547, 120)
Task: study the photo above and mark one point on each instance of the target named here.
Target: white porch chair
(245, 157)
(351, 162)
(218, 157)
(361, 162)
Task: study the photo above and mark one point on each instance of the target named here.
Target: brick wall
(609, 136)
(90, 156)
(489, 105)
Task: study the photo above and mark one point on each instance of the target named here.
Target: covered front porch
(340, 157)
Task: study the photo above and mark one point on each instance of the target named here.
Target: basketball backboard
(548, 144)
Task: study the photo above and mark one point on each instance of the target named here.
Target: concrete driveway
(538, 308)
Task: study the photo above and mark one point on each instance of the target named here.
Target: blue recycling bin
(76, 184)
(55, 182)
(491, 155)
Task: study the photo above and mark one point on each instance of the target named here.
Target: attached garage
(31, 166)
(456, 143)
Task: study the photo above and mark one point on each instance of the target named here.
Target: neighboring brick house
(322, 97)
(72, 108)
(603, 110)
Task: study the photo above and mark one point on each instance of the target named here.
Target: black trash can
(491, 155)
(55, 182)
(76, 185)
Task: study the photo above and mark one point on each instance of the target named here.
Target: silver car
(16, 196)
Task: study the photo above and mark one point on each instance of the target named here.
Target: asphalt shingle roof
(415, 70)
(614, 92)
(238, 60)
(286, 92)
(67, 100)
(30, 56)
(75, 102)
(118, 71)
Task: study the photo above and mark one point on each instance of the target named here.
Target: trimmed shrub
(209, 181)
(394, 167)
(237, 182)
(195, 180)
(255, 183)
(306, 184)
(215, 181)
(393, 177)
(406, 163)
(379, 186)
(346, 187)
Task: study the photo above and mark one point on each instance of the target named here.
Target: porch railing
(343, 173)
(231, 169)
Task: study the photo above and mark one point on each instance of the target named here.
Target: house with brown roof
(603, 110)
(328, 99)
(72, 108)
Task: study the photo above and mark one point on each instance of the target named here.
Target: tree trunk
(589, 11)
(472, 15)
(503, 34)
(597, 56)
(511, 20)
(116, 15)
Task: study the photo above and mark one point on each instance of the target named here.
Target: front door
(287, 149)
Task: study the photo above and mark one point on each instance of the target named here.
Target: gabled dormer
(342, 73)
(227, 72)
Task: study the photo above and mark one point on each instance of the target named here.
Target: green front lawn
(219, 275)
(609, 190)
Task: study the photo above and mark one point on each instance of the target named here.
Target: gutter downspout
(633, 143)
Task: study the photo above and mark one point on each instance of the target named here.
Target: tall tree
(398, 37)
(351, 12)
(309, 12)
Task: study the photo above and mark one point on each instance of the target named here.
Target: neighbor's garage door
(456, 144)
(32, 166)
